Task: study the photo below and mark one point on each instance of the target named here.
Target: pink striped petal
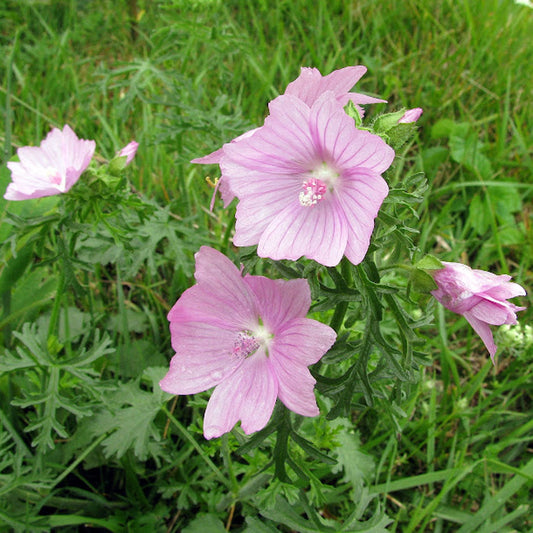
(220, 290)
(304, 341)
(295, 386)
(280, 301)
(203, 357)
(317, 232)
(483, 330)
(248, 395)
(494, 313)
(360, 198)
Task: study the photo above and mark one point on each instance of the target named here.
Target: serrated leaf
(358, 466)
(131, 416)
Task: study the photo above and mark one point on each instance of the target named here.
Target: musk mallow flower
(481, 297)
(51, 168)
(129, 151)
(250, 339)
(411, 115)
(308, 87)
(308, 182)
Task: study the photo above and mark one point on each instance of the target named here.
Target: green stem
(187, 436)
(229, 465)
(342, 281)
(85, 453)
(53, 327)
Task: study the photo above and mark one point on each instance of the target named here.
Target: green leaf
(15, 267)
(466, 149)
(130, 417)
(205, 523)
(479, 215)
(284, 513)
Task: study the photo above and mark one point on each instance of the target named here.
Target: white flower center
(321, 180)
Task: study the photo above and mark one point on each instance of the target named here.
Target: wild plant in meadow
(317, 204)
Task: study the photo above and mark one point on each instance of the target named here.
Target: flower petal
(295, 386)
(495, 313)
(360, 197)
(483, 330)
(220, 288)
(281, 146)
(278, 300)
(248, 395)
(203, 358)
(317, 232)
(304, 341)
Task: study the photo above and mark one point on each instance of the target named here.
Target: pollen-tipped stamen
(313, 192)
(245, 344)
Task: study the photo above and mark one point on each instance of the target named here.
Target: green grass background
(182, 77)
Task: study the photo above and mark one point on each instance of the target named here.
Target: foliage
(418, 431)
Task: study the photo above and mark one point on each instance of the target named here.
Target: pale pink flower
(411, 115)
(248, 337)
(52, 168)
(308, 87)
(481, 297)
(129, 151)
(308, 182)
(310, 84)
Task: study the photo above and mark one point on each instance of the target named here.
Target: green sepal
(117, 165)
(429, 262)
(422, 282)
(352, 111)
(385, 123)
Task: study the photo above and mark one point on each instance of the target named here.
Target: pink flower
(411, 115)
(481, 297)
(249, 338)
(52, 168)
(308, 182)
(308, 87)
(310, 84)
(129, 151)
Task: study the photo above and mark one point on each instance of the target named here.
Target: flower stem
(187, 436)
(342, 281)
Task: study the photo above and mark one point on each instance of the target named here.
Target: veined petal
(358, 98)
(303, 340)
(483, 330)
(495, 313)
(343, 79)
(367, 151)
(255, 212)
(505, 290)
(203, 358)
(281, 146)
(317, 232)
(221, 280)
(248, 395)
(332, 129)
(278, 300)
(295, 386)
(337, 138)
(360, 198)
(306, 86)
